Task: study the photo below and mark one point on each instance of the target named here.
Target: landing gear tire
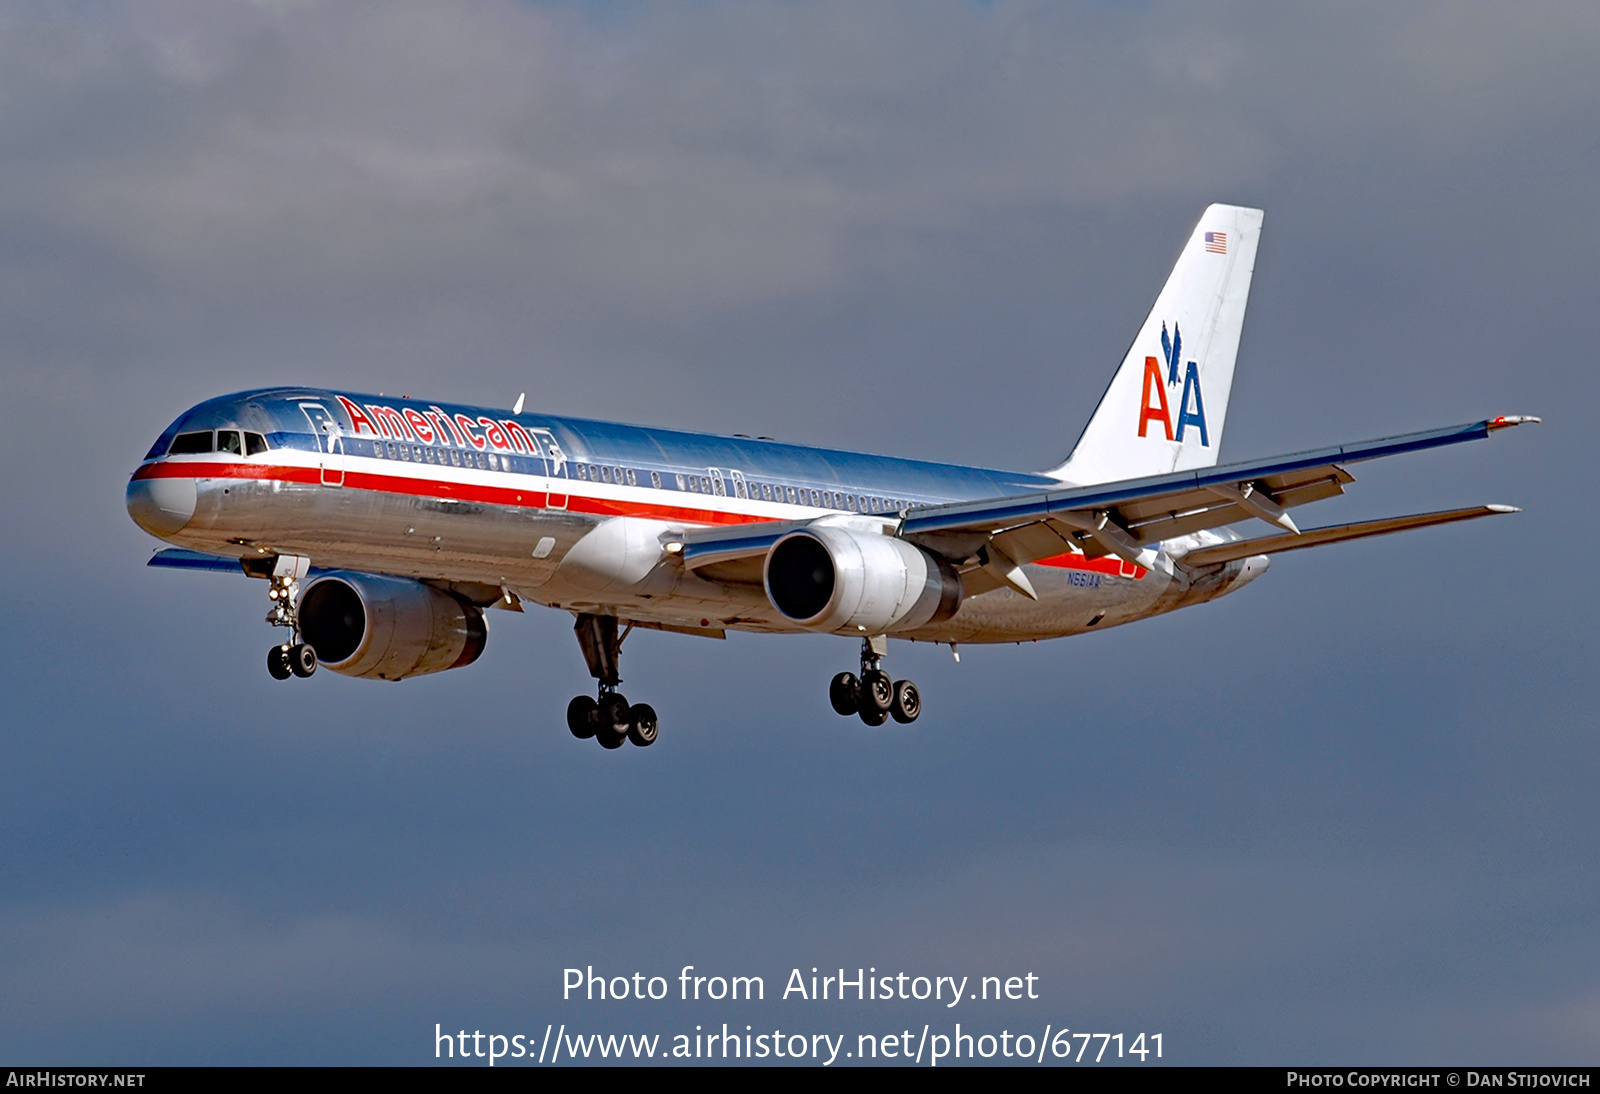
(874, 717)
(278, 663)
(877, 693)
(845, 694)
(907, 703)
(642, 726)
(302, 660)
(613, 721)
(583, 717)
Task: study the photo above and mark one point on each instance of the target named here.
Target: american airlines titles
(436, 425)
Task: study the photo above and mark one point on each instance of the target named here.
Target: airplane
(385, 527)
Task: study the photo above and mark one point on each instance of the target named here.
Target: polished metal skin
(553, 532)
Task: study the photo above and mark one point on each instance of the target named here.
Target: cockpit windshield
(232, 441)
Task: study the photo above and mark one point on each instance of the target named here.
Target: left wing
(1125, 518)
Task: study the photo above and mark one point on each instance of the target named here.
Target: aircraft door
(718, 487)
(555, 464)
(330, 442)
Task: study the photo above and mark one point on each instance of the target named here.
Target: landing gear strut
(609, 718)
(873, 695)
(294, 657)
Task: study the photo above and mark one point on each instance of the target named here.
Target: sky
(1344, 816)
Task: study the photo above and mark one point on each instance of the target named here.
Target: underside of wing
(737, 554)
(1316, 537)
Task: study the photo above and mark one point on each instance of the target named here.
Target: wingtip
(1502, 508)
(1506, 421)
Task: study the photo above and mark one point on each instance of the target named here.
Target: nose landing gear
(610, 719)
(873, 695)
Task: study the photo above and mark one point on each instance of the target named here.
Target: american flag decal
(1217, 242)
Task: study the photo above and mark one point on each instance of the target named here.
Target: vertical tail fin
(1166, 406)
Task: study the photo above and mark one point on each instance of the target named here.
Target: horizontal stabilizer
(1316, 537)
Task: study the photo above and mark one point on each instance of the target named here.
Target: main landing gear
(873, 695)
(294, 657)
(609, 719)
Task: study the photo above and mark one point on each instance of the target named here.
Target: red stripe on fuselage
(532, 499)
(438, 488)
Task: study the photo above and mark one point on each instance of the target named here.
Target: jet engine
(388, 628)
(834, 579)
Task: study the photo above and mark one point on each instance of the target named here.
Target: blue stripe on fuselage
(276, 413)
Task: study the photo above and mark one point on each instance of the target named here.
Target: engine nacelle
(834, 579)
(388, 628)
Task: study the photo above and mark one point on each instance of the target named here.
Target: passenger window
(190, 444)
(679, 480)
(633, 480)
(655, 479)
(605, 474)
(494, 462)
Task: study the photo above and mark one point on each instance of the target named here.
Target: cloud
(1328, 804)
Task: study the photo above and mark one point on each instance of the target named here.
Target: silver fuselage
(578, 515)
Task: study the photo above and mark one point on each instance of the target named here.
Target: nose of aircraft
(161, 506)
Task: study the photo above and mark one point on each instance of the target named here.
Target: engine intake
(388, 628)
(834, 579)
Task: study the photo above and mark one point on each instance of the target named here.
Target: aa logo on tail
(1153, 403)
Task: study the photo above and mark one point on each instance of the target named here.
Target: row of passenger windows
(628, 476)
(794, 495)
(449, 457)
(236, 441)
(244, 443)
(742, 488)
